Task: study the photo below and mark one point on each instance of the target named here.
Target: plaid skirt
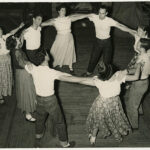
(6, 79)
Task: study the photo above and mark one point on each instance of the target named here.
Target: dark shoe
(86, 75)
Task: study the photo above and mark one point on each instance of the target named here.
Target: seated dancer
(25, 90)
(5, 65)
(135, 93)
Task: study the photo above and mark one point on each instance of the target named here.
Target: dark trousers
(101, 47)
(49, 106)
(133, 98)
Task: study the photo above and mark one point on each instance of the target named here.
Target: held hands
(30, 66)
(21, 25)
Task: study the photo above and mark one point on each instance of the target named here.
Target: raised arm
(75, 17)
(136, 75)
(49, 22)
(16, 30)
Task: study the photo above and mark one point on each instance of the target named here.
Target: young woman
(63, 49)
(5, 65)
(25, 90)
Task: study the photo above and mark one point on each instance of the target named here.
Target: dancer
(63, 50)
(106, 114)
(102, 44)
(135, 93)
(25, 90)
(5, 65)
(140, 33)
(32, 36)
(43, 78)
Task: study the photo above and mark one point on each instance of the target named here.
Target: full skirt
(63, 50)
(108, 117)
(25, 91)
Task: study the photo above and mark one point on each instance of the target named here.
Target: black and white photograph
(74, 74)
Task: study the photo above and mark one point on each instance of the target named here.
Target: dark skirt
(25, 91)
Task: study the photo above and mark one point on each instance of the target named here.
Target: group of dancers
(34, 79)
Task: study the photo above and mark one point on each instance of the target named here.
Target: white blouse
(63, 25)
(111, 87)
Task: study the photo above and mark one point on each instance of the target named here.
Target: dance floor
(16, 132)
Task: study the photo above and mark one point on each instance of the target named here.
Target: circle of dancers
(34, 79)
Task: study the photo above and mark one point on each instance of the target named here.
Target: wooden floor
(76, 100)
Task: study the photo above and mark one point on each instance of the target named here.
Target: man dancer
(102, 44)
(135, 93)
(32, 36)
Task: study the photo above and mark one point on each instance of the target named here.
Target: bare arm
(126, 29)
(49, 22)
(75, 17)
(17, 29)
(136, 75)
(81, 80)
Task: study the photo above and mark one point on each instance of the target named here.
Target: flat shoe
(31, 119)
(2, 102)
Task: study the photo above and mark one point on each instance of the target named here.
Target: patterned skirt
(25, 91)
(108, 117)
(6, 79)
(63, 50)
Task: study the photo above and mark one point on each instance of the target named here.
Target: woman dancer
(106, 114)
(25, 91)
(5, 65)
(63, 50)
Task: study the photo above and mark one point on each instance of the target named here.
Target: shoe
(70, 144)
(2, 102)
(92, 139)
(86, 75)
(30, 118)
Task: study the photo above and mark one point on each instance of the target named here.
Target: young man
(102, 44)
(32, 36)
(135, 93)
(44, 78)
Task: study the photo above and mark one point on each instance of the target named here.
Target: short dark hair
(37, 14)
(103, 7)
(105, 71)
(145, 43)
(11, 43)
(59, 7)
(39, 58)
